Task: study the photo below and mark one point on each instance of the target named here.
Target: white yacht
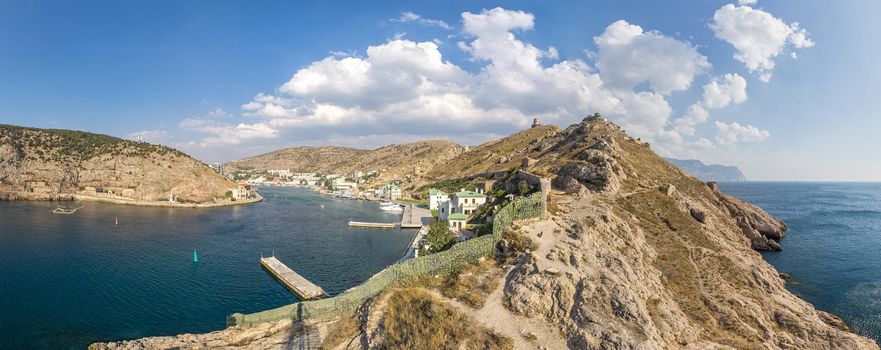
(388, 206)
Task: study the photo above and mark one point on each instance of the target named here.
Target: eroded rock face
(41, 165)
(595, 162)
(763, 230)
(609, 282)
(661, 261)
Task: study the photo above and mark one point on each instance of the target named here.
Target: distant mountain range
(711, 172)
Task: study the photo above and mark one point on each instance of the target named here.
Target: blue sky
(222, 80)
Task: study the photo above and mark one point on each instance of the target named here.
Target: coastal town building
(241, 192)
(390, 192)
(436, 197)
(284, 173)
(457, 221)
(340, 184)
(462, 202)
(466, 202)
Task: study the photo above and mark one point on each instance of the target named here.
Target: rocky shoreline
(132, 202)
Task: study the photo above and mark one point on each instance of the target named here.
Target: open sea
(833, 246)
(69, 280)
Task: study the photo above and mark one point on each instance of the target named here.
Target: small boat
(322, 206)
(61, 210)
(392, 207)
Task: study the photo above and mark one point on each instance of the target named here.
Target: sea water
(833, 246)
(69, 280)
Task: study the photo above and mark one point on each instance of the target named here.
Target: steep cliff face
(45, 164)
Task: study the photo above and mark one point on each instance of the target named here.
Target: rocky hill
(711, 172)
(298, 159)
(50, 164)
(498, 155)
(635, 254)
(408, 162)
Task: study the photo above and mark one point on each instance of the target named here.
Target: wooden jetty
(290, 279)
(372, 224)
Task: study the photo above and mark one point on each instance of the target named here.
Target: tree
(523, 186)
(439, 237)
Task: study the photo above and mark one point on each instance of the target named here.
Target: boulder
(698, 215)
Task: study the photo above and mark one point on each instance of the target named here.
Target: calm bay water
(69, 280)
(833, 246)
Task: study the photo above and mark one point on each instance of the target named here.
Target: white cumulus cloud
(719, 93)
(408, 87)
(408, 17)
(757, 36)
(629, 56)
(727, 134)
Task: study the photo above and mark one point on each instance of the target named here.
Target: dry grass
(470, 285)
(512, 246)
(673, 233)
(344, 330)
(415, 319)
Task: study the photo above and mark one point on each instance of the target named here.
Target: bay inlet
(70, 280)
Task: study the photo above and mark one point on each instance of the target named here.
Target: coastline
(164, 204)
(132, 202)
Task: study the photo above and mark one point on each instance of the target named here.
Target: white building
(436, 197)
(466, 202)
(390, 191)
(462, 202)
(286, 173)
(241, 192)
(357, 174)
(457, 221)
(340, 184)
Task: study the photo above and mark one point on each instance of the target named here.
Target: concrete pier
(415, 217)
(372, 224)
(290, 279)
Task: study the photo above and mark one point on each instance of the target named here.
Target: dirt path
(496, 317)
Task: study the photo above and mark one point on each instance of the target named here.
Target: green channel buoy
(195, 256)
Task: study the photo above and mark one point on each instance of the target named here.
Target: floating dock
(290, 279)
(372, 224)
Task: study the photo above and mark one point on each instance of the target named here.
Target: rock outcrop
(763, 230)
(45, 164)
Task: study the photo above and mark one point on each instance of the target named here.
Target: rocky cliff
(711, 172)
(49, 164)
(635, 254)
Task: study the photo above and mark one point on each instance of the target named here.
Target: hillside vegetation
(43, 164)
